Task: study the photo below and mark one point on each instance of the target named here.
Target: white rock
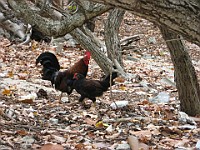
(53, 121)
(162, 97)
(184, 118)
(65, 99)
(118, 104)
(198, 145)
(123, 147)
(32, 96)
(109, 128)
(28, 140)
(59, 138)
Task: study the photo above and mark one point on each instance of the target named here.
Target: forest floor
(30, 119)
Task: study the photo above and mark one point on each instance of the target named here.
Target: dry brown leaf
(10, 74)
(90, 121)
(144, 135)
(22, 132)
(170, 131)
(52, 147)
(169, 115)
(144, 102)
(80, 146)
(99, 124)
(122, 87)
(113, 136)
(59, 139)
(120, 80)
(6, 92)
(22, 76)
(143, 146)
(1, 111)
(133, 142)
(34, 45)
(26, 101)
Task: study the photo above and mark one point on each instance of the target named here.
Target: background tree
(185, 76)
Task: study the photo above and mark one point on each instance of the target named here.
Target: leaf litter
(143, 113)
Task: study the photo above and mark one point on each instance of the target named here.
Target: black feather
(48, 60)
(50, 66)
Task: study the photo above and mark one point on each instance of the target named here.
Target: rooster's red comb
(88, 54)
(75, 75)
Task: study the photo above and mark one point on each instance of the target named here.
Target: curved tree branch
(51, 27)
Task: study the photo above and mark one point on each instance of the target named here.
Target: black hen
(92, 88)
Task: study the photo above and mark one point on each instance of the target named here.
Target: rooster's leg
(81, 99)
(94, 101)
(60, 97)
(68, 98)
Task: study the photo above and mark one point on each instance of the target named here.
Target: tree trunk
(185, 76)
(112, 40)
(181, 16)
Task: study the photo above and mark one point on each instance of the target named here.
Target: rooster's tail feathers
(106, 81)
(50, 65)
(48, 60)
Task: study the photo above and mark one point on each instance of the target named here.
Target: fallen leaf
(22, 132)
(122, 87)
(80, 146)
(59, 138)
(144, 135)
(113, 136)
(100, 124)
(120, 79)
(52, 147)
(133, 142)
(26, 101)
(90, 121)
(10, 74)
(6, 92)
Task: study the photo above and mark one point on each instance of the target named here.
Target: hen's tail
(106, 81)
(50, 65)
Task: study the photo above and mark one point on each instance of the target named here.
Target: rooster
(59, 79)
(91, 89)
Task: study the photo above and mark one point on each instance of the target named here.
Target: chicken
(59, 79)
(92, 88)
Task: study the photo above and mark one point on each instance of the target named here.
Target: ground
(29, 119)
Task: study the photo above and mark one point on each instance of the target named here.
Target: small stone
(65, 99)
(185, 119)
(124, 146)
(28, 140)
(198, 145)
(3, 147)
(118, 104)
(152, 40)
(53, 121)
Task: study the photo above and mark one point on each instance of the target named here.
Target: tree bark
(185, 76)
(181, 16)
(112, 40)
(51, 27)
(15, 28)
